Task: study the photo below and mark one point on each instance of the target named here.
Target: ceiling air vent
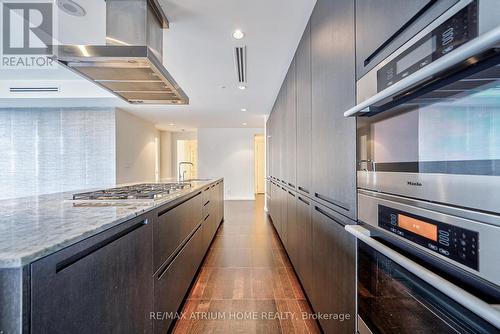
(240, 57)
(34, 89)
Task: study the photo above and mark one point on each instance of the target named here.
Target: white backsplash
(54, 150)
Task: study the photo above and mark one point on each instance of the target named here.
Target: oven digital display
(419, 227)
(451, 241)
(426, 49)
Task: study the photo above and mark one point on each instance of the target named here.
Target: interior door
(259, 164)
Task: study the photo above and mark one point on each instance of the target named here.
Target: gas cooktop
(138, 191)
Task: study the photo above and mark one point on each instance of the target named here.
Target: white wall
(136, 149)
(229, 153)
(166, 155)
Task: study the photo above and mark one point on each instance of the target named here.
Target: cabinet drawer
(172, 284)
(207, 208)
(99, 285)
(207, 194)
(173, 226)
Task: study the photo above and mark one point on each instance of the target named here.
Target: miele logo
(414, 184)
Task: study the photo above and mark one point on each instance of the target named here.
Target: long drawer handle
(206, 217)
(304, 201)
(161, 213)
(476, 305)
(94, 248)
(327, 215)
(206, 203)
(332, 201)
(291, 185)
(178, 252)
(304, 190)
(291, 193)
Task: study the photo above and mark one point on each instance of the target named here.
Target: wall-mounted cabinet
(291, 126)
(304, 128)
(313, 194)
(333, 92)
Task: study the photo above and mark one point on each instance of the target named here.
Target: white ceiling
(198, 53)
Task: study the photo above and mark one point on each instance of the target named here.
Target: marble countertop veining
(33, 227)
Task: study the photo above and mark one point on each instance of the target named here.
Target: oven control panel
(457, 30)
(456, 243)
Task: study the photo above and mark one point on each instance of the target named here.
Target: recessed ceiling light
(171, 124)
(243, 109)
(244, 124)
(242, 87)
(238, 34)
(72, 8)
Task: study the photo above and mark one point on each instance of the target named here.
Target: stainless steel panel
(102, 73)
(137, 86)
(488, 19)
(123, 69)
(154, 33)
(469, 191)
(489, 235)
(126, 22)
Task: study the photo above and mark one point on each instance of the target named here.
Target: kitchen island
(92, 266)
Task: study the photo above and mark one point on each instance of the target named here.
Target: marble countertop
(33, 227)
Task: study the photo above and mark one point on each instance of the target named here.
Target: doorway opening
(187, 151)
(260, 156)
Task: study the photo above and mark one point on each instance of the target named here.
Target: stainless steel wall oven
(430, 113)
(428, 149)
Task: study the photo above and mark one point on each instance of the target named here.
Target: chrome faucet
(181, 175)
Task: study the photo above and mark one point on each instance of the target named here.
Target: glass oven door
(440, 143)
(397, 296)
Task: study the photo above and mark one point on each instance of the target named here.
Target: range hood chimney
(129, 64)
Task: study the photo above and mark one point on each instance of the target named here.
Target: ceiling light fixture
(171, 124)
(243, 109)
(238, 34)
(242, 87)
(72, 8)
(244, 124)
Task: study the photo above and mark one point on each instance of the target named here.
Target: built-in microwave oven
(428, 151)
(429, 114)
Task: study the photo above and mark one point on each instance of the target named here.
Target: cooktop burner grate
(139, 191)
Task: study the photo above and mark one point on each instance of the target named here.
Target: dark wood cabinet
(291, 127)
(304, 265)
(174, 224)
(172, 284)
(333, 92)
(304, 134)
(114, 281)
(100, 285)
(293, 244)
(283, 232)
(334, 270)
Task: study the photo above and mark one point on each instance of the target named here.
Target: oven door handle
(476, 305)
(476, 46)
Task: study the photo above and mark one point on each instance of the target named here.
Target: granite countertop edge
(23, 258)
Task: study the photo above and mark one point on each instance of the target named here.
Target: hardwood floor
(246, 283)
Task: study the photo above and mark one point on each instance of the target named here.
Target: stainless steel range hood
(129, 65)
